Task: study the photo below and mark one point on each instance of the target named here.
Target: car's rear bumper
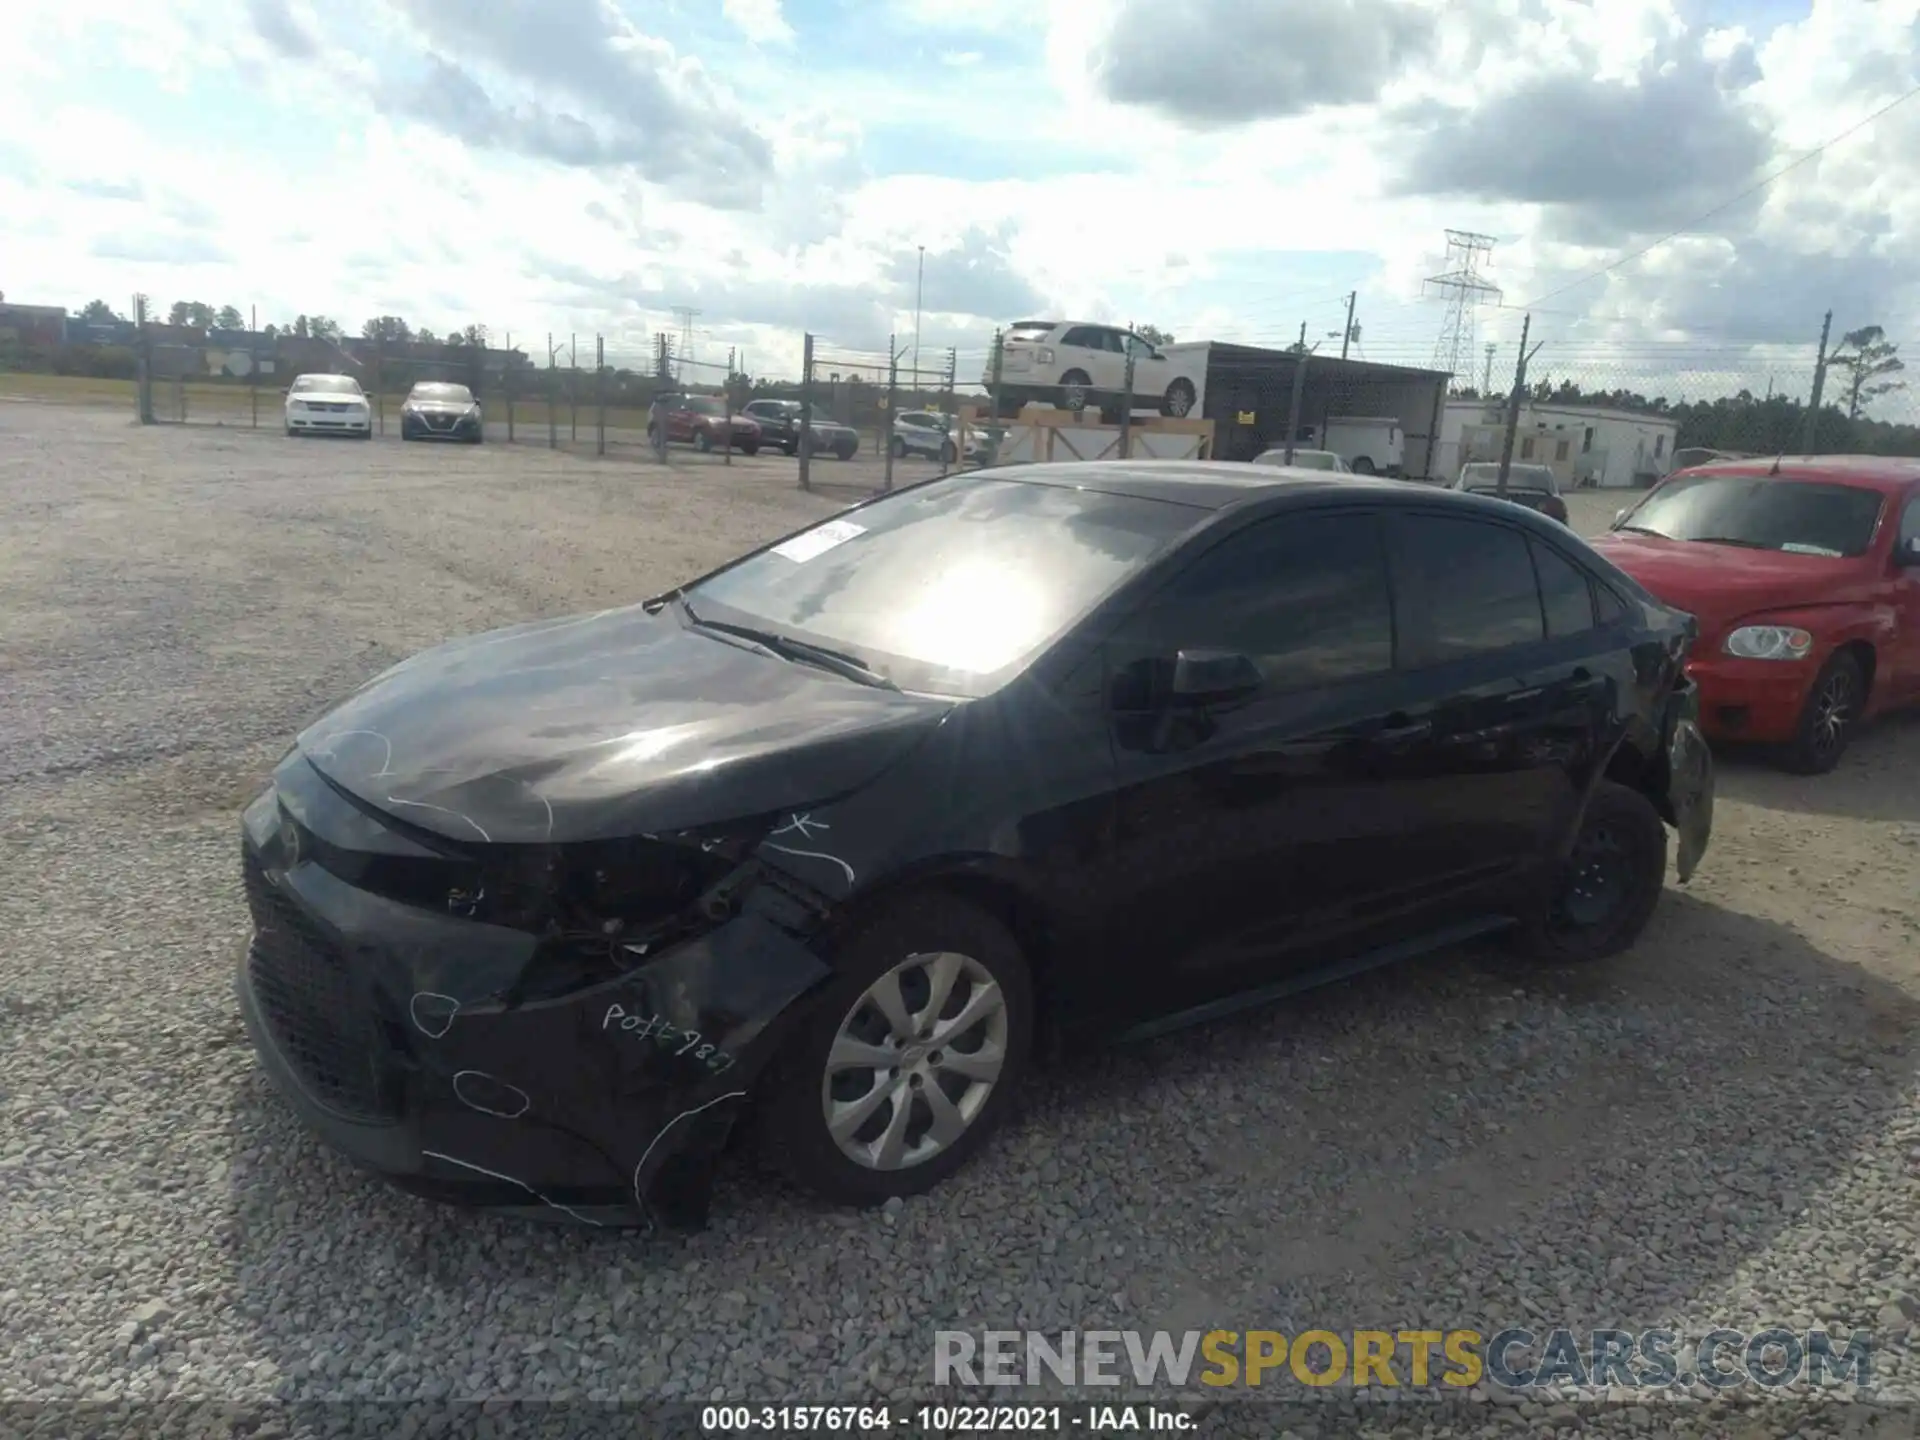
(1756, 700)
(396, 1035)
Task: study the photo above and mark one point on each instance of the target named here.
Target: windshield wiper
(1643, 530)
(1731, 540)
(800, 652)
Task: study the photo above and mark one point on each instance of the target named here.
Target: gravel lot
(1721, 1128)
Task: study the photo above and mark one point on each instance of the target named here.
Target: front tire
(1602, 896)
(910, 1059)
(1826, 724)
(1362, 465)
(703, 442)
(843, 452)
(749, 449)
(899, 448)
(948, 454)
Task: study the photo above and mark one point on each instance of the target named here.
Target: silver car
(924, 432)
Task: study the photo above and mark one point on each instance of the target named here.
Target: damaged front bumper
(413, 1042)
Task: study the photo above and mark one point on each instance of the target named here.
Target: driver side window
(1910, 520)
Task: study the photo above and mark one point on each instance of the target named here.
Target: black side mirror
(1213, 676)
(1621, 513)
(1906, 554)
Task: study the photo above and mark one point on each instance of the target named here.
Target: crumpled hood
(1720, 584)
(598, 726)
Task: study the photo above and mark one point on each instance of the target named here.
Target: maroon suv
(700, 421)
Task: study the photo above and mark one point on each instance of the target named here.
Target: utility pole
(1301, 351)
(1486, 378)
(1513, 404)
(893, 389)
(726, 399)
(253, 362)
(919, 290)
(1346, 335)
(1126, 404)
(1819, 384)
(805, 446)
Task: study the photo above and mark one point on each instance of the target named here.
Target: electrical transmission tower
(686, 315)
(1463, 286)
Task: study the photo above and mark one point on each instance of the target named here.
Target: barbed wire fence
(870, 392)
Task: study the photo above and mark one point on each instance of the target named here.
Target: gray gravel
(1722, 1128)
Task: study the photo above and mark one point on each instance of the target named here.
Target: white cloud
(586, 164)
(759, 20)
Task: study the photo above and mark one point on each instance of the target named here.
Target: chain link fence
(1598, 413)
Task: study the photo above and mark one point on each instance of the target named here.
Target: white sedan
(1305, 460)
(328, 405)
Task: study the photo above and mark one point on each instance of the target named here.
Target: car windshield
(946, 586)
(703, 405)
(1485, 479)
(1761, 513)
(328, 384)
(459, 394)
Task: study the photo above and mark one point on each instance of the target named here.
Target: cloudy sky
(1220, 168)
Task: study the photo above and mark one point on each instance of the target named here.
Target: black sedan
(435, 410)
(844, 832)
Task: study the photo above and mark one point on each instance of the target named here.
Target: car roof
(1891, 474)
(1218, 484)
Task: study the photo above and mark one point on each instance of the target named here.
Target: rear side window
(1306, 600)
(1467, 587)
(1566, 596)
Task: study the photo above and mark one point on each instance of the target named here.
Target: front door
(1906, 604)
(1249, 837)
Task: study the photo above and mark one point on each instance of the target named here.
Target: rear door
(1517, 685)
(1254, 839)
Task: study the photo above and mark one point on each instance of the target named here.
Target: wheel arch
(995, 887)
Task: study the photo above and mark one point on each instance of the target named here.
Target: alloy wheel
(1833, 710)
(914, 1061)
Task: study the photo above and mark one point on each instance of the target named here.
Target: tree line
(198, 315)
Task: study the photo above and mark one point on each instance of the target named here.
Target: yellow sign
(1246, 417)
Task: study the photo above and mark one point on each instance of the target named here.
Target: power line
(1731, 201)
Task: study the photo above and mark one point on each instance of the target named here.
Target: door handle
(1411, 730)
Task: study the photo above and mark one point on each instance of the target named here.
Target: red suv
(700, 421)
(1805, 577)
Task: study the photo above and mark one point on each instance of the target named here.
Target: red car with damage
(1804, 574)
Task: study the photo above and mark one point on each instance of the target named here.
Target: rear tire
(1833, 708)
(1076, 390)
(843, 452)
(1604, 893)
(703, 442)
(751, 448)
(899, 448)
(903, 951)
(948, 454)
(1362, 466)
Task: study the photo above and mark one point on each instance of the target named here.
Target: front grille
(328, 407)
(440, 422)
(319, 1017)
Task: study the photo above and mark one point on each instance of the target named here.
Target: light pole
(919, 289)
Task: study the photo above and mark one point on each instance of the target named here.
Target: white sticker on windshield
(1794, 547)
(817, 541)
